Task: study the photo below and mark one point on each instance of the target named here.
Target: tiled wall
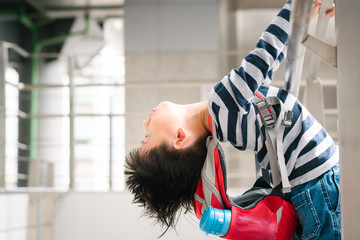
(166, 41)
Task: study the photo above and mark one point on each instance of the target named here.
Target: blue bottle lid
(215, 221)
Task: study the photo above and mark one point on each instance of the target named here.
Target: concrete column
(227, 36)
(348, 88)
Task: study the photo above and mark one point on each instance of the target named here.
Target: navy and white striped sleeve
(230, 102)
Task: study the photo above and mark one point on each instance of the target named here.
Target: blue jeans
(317, 204)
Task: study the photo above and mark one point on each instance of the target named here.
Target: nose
(146, 123)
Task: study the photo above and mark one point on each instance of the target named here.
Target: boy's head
(164, 179)
(168, 123)
(163, 173)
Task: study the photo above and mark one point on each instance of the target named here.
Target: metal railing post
(110, 147)
(314, 91)
(3, 63)
(71, 126)
(300, 17)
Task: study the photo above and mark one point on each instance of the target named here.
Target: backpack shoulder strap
(274, 134)
(208, 176)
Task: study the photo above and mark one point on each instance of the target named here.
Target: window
(99, 140)
(99, 122)
(80, 125)
(12, 103)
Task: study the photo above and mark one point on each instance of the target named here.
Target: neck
(196, 115)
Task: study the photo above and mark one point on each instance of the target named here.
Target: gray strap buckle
(267, 118)
(261, 104)
(287, 118)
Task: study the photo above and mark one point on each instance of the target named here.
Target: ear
(181, 139)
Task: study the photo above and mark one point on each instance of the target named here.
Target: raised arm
(230, 102)
(260, 63)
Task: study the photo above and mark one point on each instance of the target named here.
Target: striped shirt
(308, 149)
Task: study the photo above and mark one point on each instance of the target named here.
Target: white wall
(13, 217)
(112, 216)
(90, 216)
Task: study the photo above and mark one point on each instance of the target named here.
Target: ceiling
(68, 8)
(77, 3)
(112, 8)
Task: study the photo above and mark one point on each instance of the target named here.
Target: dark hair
(164, 179)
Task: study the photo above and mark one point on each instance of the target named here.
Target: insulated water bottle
(215, 221)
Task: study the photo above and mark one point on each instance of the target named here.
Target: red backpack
(260, 213)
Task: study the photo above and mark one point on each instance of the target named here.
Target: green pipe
(35, 75)
(38, 45)
(34, 126)
(34, 102)
(44, 21)
(28, 23)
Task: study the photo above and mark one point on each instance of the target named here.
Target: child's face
(161, 125)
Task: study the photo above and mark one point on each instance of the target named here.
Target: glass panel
(118, 153)
(92, 167)
(12, 106)
(99, 100)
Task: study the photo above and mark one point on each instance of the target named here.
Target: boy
(163, 173)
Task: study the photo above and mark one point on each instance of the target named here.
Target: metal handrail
(300, 17)
(32, 190)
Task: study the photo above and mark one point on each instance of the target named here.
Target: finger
(330, 13)
(317, 4)
(316, 9)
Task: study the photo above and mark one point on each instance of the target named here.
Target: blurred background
(79, 77)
